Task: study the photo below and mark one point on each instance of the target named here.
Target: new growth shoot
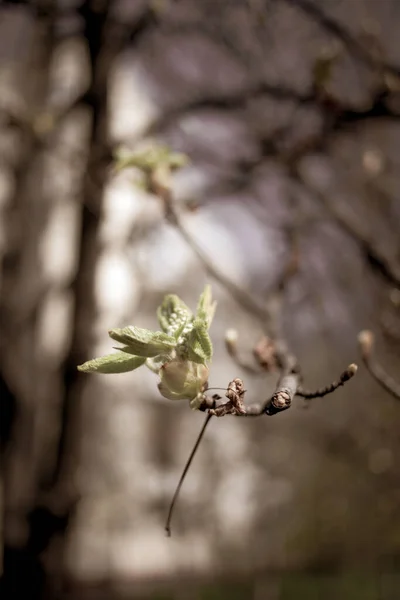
(179, 354)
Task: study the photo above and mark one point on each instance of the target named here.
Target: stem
(185, 470)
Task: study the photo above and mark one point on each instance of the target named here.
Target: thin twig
(366, 340)
(185, 470)
(345, 376)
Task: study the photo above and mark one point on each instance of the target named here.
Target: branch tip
(349, 372)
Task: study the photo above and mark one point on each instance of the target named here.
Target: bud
(182, 379)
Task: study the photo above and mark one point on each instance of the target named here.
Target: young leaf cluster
(179, 353)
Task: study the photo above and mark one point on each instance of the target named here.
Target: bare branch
(345, 376)
(366, 340)
(235, 101)
(287, 388)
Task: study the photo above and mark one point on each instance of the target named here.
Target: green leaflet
(205, 307)
(199, 343)
(143, 342)
(119, 362)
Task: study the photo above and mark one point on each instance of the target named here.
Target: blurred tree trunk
(20, 296)
(22, 561)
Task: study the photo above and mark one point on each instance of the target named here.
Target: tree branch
(287, 388)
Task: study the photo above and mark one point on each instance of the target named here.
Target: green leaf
(199, 343)
(143, 342)
(119, 362)
(172, 314)
(206, 307)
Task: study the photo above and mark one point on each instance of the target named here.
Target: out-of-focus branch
(313, 10)
(390, 319)
(386, 265)
(366, 342)
(232, 347)
(235, 102)
(391, 326)
(246, 301)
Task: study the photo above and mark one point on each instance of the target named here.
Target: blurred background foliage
(289, 113)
